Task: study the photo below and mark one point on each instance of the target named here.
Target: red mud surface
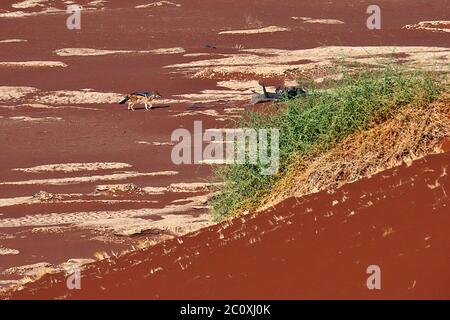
(315, 247)
(101, 132)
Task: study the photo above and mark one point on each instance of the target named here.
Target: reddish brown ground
(315, 247)
(111, 134)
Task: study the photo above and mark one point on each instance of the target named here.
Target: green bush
(315, 123)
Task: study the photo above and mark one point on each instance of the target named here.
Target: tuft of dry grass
(411, 134)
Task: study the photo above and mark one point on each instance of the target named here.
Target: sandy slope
(61, 109)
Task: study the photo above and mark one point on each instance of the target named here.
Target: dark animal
(144, 97)
(278, 95)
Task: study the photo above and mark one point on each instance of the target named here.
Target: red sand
(316, 247)
(111, 134)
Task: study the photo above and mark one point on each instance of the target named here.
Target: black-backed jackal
(142, 97)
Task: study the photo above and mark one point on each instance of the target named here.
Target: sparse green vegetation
(312, 125)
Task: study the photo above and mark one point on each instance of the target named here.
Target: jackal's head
(156, 95)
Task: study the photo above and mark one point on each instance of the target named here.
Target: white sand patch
(436, 26)
(63, 99)
(175, 50)
(21, 14)
(216, 161)
(89, 217)
(129, 188)
(31, 119)
(27, 270)
(78, 97)
(13, 40)
(329, 77)
(318, 21)
(262, 70)
(58, 198)
(241, 89)
(15, 14)
(15, 93)
(8, 283)
(325, 21)
(270, 29)
(121, 201)
(86, 179)
(7, 251)
(53, 230)
(43, 106)
(156, 143)
(74, 167)
(36, 271)
(69, 52)
(266, 62)
(158, 4)
(175, 224)
(290, 82)
(197, 200)
(247, 86)
(46, 196)
(169, 101)
(210, 112)
(29, 4)
(234, 110)
(14, 201)
(220, 142)
(221, 130)
(212, 96)
(191, 186)
(154, 190)
(33, 272)
(90, 6)
(34, 64)
(70, 264)
(196, 54)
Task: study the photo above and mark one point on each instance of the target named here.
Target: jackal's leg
(129, 105)
(151, 106)
(146, 107)
(132, 106)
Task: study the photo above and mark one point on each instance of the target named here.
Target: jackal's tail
(125, 100)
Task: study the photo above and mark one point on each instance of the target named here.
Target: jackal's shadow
(154, 107)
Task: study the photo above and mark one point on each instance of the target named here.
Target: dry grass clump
(365, 122)
(410, 135)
